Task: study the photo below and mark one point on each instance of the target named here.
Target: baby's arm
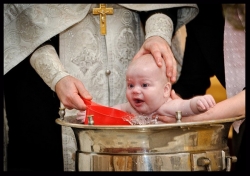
(188, 107)
(200, 104)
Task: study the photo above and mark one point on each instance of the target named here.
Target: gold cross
(103, 11)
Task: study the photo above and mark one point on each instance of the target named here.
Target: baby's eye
(145, 85)
(130, 86)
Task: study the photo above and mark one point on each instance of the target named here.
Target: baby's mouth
(138, 101)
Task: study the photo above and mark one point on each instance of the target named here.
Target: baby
(148, 92)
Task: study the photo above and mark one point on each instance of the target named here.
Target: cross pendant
(102, 11)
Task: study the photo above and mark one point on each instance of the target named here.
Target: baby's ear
(167, 89)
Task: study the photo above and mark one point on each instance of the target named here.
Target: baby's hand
(205, 102)
(81, 115)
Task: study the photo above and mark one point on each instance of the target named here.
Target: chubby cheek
(153, 105)
(128, 95)
(155, 101)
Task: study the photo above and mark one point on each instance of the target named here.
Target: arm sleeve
(46, 63)
(171, 13)
(159, 22)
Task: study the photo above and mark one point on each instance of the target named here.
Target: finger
(79, 104)
(81, 118)
(174, 72)
(83, 91)
(205, 103)
(166, 119)
(67, 103)
(69, 106)
(169, 65)
(174, 95)
(212, 100)
(140, 53)
(157, 56)
(81, 113)
(169, 60)
(209, 100)
(74, 101)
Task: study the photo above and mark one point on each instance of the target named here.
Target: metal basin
(189, 146)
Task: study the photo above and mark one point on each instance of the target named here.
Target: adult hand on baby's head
(160, 49)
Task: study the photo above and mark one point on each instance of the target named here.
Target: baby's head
(147, 84)
(146, 65)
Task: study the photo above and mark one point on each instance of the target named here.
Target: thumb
(140, 53)
(174, 95)
(83, 92)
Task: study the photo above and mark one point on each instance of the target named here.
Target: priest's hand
(70, 90)
(159, 48)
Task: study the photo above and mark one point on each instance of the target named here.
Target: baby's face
(145, 88)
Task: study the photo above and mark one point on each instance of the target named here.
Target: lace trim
(160, 25)
(47, 64)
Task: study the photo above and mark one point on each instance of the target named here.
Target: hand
(81, 115)
(167, 119)
(159, 48)
(173, 95)
(205, 102)
(70, 90)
